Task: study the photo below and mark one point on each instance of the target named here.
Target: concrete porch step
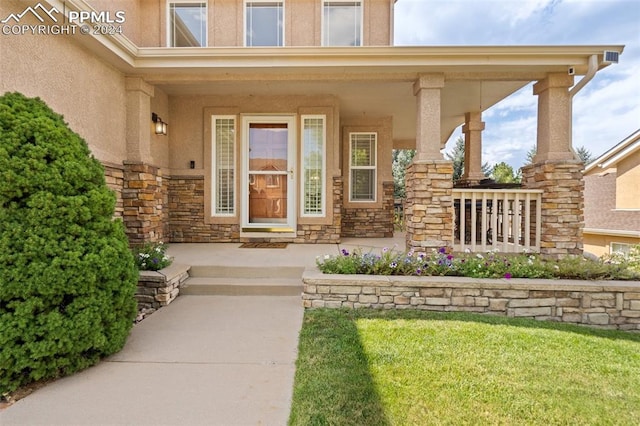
(236, 272)
(241, 286)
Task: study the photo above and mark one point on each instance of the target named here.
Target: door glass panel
(268, 172)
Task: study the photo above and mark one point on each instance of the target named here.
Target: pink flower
(507, 275)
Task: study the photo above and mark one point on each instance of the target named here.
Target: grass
(366, 367)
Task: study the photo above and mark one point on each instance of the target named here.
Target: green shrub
(489, 265)
(152, 257)
(67, 276)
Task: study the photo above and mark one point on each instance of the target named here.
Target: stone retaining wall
(604, 304)
(159, 288)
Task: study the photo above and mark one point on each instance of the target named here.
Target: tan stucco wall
(73, 82)
(628, 182)
(160, 144)
(600, 244)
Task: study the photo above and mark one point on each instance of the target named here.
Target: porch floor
(296, 255)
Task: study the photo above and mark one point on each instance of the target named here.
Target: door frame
(289, 227)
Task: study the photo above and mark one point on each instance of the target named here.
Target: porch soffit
(374, 81)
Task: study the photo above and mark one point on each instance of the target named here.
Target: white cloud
(605, 111)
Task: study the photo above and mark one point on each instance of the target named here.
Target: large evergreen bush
(67, 276)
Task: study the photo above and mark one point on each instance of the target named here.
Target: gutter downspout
(591, 72)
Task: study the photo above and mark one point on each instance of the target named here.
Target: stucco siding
(601, 244)
(72, 81)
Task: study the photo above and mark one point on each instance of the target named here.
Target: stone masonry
(114, 177)
(325, 234)
(562, 218)
(186, 214)
(159, 288)
(429, 206)
(370, 222)
(604, 304)
(143, 203)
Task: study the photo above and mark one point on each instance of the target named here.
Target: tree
(457, 156)
(583, 153)
(68, 278)
(401, 158)
(503, 173)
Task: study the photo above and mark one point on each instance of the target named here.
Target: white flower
(327, 257)
(479, 256)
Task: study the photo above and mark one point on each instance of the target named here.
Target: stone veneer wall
(186, 214)
(429, 205)
(562, 218)
(143, 203)
(321, 233)
(159, 288)
(605, 304)
(186, 217)
(370, 222)
(114, 176)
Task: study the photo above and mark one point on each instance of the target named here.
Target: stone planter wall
(604, 304)
(159, 288)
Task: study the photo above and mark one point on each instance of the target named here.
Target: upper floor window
(264, 23)
(342, 23)
(187, 24)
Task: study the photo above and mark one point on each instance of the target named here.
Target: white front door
(268, 187)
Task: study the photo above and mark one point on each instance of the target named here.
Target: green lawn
(365, 367)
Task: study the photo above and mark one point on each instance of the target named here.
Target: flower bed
(443, 262)
(510, 285)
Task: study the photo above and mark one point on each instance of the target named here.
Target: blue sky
(606, 111)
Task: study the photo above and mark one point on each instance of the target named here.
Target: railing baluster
(483, 222)
(527, 221)
(474, 221)
(513, 221)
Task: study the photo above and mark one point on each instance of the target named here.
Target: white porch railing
(504, 220)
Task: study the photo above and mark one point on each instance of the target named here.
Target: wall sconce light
(160, 126)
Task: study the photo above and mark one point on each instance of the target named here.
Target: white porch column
(427, 91)
(139, 94)
(472, 130)
(554, 118)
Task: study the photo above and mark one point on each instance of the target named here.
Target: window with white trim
(264, 23)
(362, 165)
(223, 161)
(342, 23)
(187, 24)
(313, 165)
(620, 248)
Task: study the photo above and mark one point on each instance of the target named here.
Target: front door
(268, 176)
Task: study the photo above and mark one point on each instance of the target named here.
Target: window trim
(214, 174)
(169, 32)
(244, 20)
(323, 208)
(374, 167)
(611, 251)
(323, 26)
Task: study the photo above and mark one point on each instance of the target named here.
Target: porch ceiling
(367, 98)
(373, 81)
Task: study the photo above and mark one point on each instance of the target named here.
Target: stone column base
(142, 198)
(562, 205)
(429, 206)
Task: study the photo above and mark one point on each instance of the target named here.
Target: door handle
(291, 173)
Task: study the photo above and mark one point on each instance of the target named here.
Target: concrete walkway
(202, 360)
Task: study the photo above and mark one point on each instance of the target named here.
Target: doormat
(263, 245)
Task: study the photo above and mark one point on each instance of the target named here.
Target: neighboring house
(316, 87)
(612, 199)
